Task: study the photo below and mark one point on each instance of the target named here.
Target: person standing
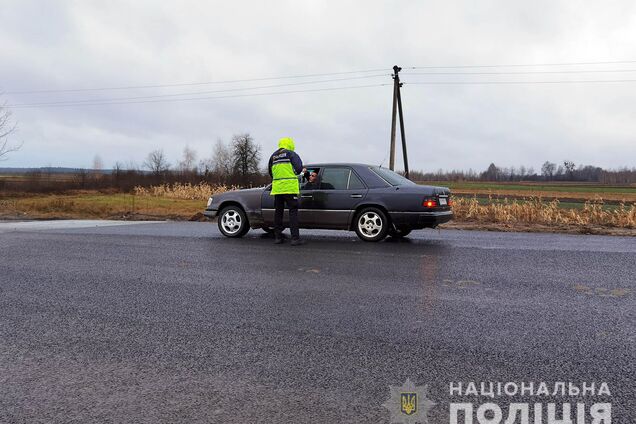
(284, 167)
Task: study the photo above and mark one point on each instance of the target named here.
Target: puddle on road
(460, 284)
(602, 291)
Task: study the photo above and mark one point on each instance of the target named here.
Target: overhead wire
(578, 71)
(614, 62)
(130, 87)
(123, 99)
(214, 97)
(515, 82)
(230, 81)
(201, 95)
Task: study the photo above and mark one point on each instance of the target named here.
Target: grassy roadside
(98, 206)
(533, 215)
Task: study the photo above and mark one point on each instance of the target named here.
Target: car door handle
(307, 196)
(356, 196)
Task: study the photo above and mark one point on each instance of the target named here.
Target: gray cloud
(67, 44)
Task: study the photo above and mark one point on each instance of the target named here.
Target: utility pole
(397, 108)
(396, 82)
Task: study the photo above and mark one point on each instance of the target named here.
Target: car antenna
(383, 160)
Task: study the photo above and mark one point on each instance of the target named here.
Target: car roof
(322, 165)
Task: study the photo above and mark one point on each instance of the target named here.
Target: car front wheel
(372, 224)
(233, 222)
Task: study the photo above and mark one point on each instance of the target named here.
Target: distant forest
(240, 163)
(565, 171)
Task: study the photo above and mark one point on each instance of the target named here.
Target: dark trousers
(292, 203)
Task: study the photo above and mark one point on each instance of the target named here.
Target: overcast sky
(57, 45)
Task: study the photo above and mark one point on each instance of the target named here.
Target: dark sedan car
(370, 200)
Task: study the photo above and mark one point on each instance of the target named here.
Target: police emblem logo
(408, 404)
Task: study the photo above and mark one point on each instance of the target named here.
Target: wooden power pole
(397, 108)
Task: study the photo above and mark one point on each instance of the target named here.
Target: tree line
(238, 163)
(565, 171)
(235, 163)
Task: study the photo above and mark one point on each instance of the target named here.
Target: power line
(129, 87)
(144, 86)
(578, 71)
(515, 82)
(211, 97)
(615, 62)
(192, 93)
(143, 99)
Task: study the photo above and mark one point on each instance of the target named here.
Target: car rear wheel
(372, 224)
(233, 222)
(400, 232)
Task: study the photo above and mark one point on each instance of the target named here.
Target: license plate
(443, 201)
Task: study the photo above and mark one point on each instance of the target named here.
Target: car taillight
(429, 203)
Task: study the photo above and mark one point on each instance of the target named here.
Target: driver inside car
(312, 180)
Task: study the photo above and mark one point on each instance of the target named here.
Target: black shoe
(279, 240)
(297, 242)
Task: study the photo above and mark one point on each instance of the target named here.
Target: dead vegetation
(537, 211)
(185, 191)
(183, 201)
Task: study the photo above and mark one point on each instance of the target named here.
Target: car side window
(335, 179)
(354, 182)
(310, 179)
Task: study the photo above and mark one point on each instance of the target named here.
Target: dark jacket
(293, 157)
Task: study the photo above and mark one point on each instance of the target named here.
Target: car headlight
(210, 201)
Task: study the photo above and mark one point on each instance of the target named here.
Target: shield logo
(408, 403)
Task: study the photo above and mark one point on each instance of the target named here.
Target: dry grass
(183, 191)
(97, 206)
(537, 211)
(182, 201)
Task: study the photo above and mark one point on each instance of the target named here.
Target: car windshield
(391, 177)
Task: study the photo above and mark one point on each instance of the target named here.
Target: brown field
(563, 191)
(525, 211)
(548, 195)
(94, 205)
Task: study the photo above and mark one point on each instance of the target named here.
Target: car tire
(399, 232)
(371, 224)
(232, 222)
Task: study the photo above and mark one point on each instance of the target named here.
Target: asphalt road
(171, 322)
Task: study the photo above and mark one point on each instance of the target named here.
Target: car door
(341, 190)
(268, 209)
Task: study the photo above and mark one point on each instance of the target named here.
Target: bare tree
(188, 162)
(7, 127)
(157, 162)
(569, 168)
(246, 155)
(221, 162)
(522, 171)
(131, 165)
(492, 173)
(547, 169)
